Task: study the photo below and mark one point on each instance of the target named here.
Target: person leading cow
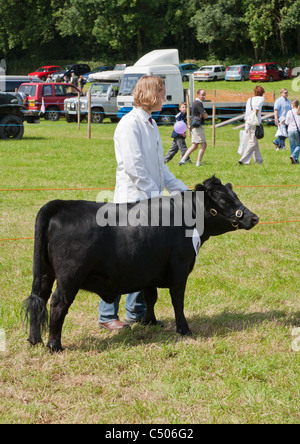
(141, 174)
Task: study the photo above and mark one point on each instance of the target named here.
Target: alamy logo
(179, 210)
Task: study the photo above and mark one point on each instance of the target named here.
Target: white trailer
(161, 63)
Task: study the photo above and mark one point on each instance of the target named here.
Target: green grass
(242, 298)
(248, 86)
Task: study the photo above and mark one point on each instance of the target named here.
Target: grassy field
(242, 298)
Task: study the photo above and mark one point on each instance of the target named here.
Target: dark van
(12, 83)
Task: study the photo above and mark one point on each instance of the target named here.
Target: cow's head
(223, 209)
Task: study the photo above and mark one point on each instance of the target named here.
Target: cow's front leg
(177, 295)
(150, 295)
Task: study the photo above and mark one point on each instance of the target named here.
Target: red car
(45, 71)
(47, 99)
(266, 72)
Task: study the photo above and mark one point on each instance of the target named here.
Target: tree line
(124, 30)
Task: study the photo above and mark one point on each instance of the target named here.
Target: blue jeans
(294, 138)
(135, 307)
(280, 142)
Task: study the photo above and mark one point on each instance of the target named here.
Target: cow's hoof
(185, 332)
(33, 341)
(55, 347)
(153, 322)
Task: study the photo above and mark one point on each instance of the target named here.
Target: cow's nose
(255, 219)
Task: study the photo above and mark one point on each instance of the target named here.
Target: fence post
(89, 115)
(214, 126)
(188, 114)
(78, 112)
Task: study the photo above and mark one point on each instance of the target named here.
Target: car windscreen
(99, 89)
(128, 83)
(28, 90)
(258, 68)
(206, 68)
(233, 68)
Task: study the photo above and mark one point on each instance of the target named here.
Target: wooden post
(89, 115)
(78, 112)
(214, 126)
(188, 114)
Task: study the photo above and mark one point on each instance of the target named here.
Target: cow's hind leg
(177, 295)
(59, 305)
(150, 295)
(35, 307)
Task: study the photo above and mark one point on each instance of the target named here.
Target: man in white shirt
(141, 174)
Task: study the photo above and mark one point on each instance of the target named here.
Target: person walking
(178, 139)
(254, 106)
(141, 174)
(281, 106)
(198, 133)
(292, 120)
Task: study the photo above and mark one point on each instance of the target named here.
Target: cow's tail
(35, 306)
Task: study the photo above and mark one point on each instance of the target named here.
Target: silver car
(210, 72)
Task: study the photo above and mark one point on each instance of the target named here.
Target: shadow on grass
(220, 325)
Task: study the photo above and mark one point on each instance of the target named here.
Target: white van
(161, 63)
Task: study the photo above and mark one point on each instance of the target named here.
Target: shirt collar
(143, 114)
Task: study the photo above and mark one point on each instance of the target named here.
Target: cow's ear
(199, 187)
(228, 185)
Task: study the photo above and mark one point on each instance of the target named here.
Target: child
(281, 135)
(178, 139)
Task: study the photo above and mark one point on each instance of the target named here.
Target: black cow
(72, 248)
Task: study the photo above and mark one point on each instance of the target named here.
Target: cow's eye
(222, 202)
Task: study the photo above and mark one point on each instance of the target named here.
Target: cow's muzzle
(235, 219)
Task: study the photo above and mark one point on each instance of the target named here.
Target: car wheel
(11, 127)
(97, 115)
(52, 113)
(243, 79)
(70, 118)
(215, 78)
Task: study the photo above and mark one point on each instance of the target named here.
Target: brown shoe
(293, 160)
(113, 325)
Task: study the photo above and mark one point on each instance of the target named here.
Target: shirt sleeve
(128, 145)
(172, 184)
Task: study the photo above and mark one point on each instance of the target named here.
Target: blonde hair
(146, 92)
(295, 104)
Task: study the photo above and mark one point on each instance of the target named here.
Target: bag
(259, 132)
(196, 121)
(244, 137)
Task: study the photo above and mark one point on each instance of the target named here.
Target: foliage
(126, 29)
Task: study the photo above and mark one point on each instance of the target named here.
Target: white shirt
(290, 121)
(257, 103)
(141, 172)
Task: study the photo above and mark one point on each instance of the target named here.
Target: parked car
(186, 69)
(97, 69)
(47, 99)
(103, 103)
(12, 83)
(237, 72)
(79, 69)
(45, 71)
(266, 72)
(211, 72)
(12, 115)
(115, 75)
